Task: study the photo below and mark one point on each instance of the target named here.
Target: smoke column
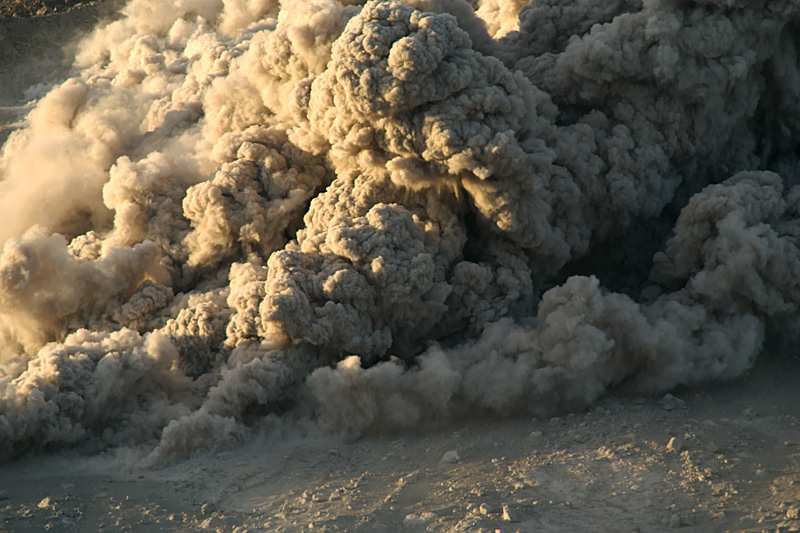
(371, 216)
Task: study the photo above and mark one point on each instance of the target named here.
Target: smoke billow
(376, 215)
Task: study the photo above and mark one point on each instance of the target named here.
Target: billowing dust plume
(370, 216)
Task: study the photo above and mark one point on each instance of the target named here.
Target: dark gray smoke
(377, 215)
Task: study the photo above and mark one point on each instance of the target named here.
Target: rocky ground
(721, 458)
(725, 457)
(11, 9)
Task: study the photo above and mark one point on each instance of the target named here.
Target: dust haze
(372, 216)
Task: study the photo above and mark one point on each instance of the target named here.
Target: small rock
(509, 514)
(409, 479)
(675, 444)
(486, 509)
(675, 521)
(212, 522)
(318, 497)
(450, 457)
(3, 495)
(44, 503)
(789, 443)
(418, 519)
(793, 513)
(208, 508)
(670, 402)
(535, 435)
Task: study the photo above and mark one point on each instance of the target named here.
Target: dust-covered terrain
(13, 9)
(377, 265)
(734, 466)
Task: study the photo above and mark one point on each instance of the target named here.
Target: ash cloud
(371, 216)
